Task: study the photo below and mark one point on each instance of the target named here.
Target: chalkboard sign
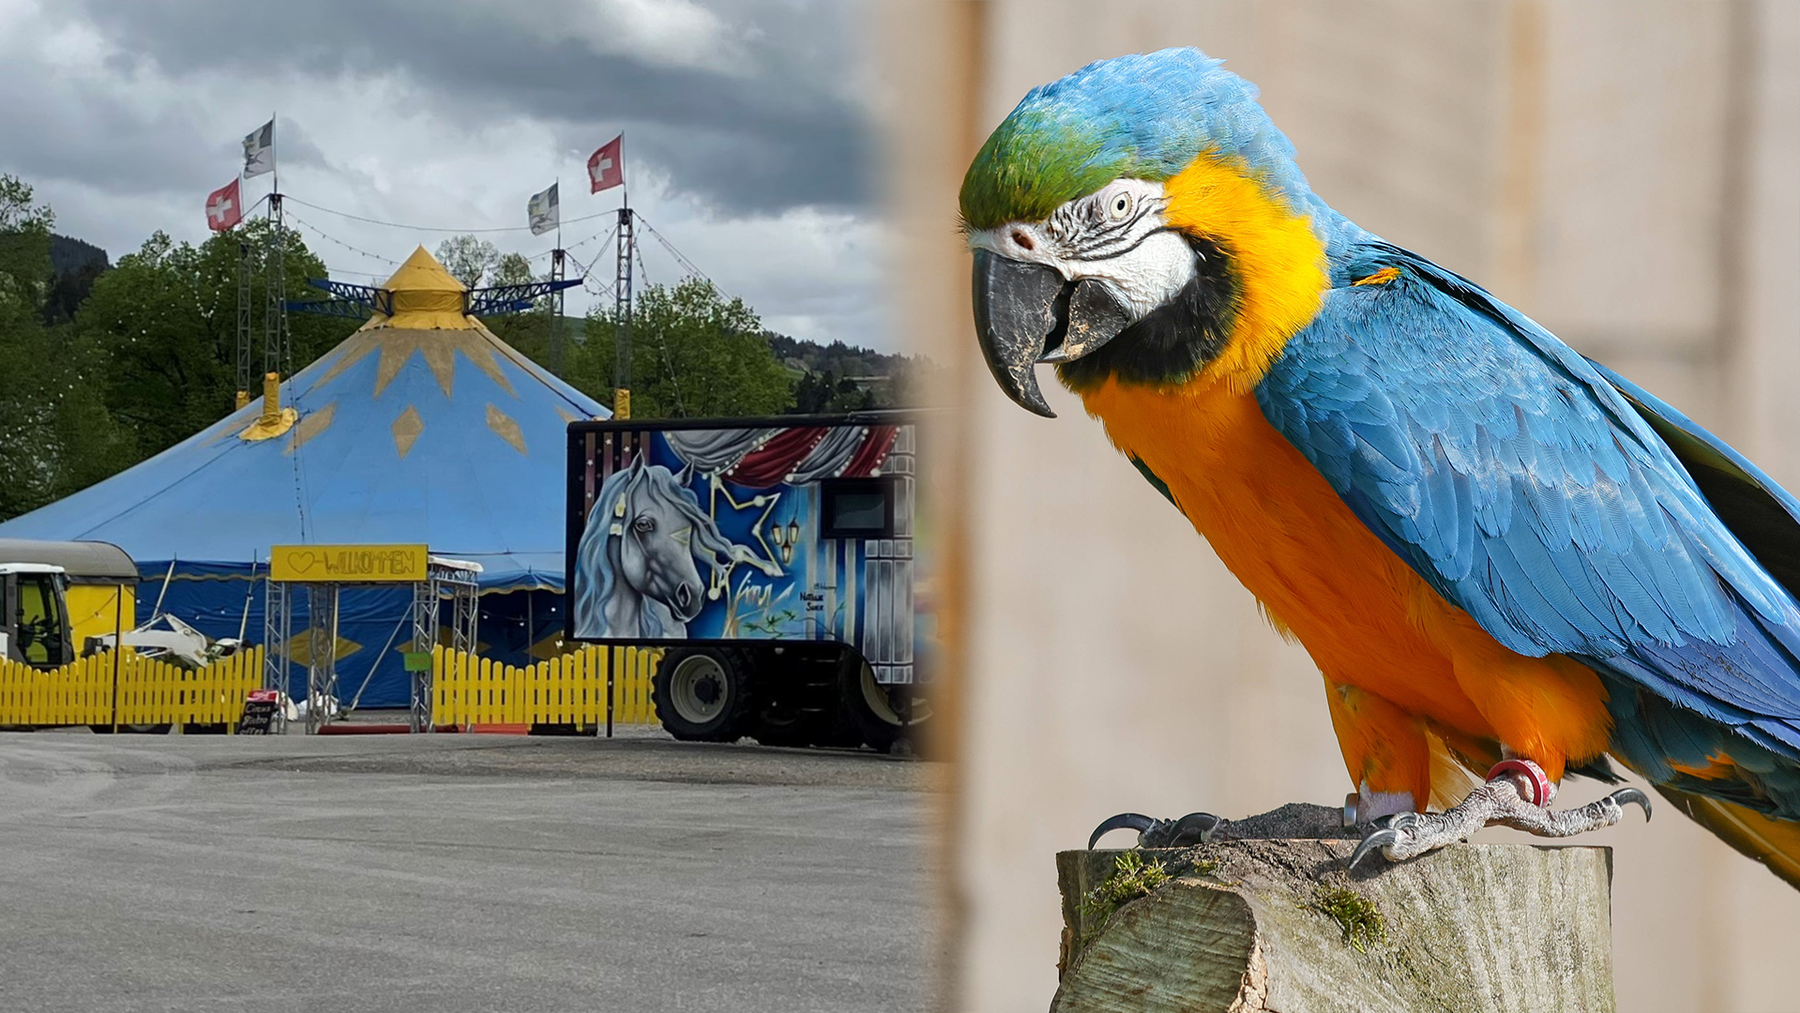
(262, 708)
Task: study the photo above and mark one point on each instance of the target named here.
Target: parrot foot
(1295, 820)
(1505, 800)
(1194, 828)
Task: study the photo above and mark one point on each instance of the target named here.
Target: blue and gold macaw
(1504, 558)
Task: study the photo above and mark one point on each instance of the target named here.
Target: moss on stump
(1266, 925)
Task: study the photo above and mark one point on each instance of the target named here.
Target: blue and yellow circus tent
(422, 426)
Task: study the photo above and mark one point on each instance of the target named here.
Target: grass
(1131, 878)
(1362, 924)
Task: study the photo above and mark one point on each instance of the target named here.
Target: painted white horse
(635, 572)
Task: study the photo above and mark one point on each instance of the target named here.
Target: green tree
(534, 331)
(847, 377)
(512, 269)
(825, 392)
(469, 259)
(166, 318)
(56, 435)
(69, 290)
(28, 451)
(24, 243)
(694, 354)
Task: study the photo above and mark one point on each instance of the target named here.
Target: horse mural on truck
(775, 559)
(642, 540)
(747, 531)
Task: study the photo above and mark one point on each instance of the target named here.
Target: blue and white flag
(259, 150)
(542, 213)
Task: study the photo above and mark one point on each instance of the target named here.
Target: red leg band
(1540, 782)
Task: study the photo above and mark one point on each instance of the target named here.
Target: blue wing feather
(1539, 494)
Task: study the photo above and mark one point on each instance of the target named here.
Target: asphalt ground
(460, 872)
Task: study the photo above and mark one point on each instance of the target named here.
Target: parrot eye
(1120, 206)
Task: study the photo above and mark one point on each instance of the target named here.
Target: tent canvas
(421, 426)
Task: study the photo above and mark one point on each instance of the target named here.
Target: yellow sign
(349, 564)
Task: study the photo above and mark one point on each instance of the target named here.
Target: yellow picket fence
(145, 691)
(568, 690)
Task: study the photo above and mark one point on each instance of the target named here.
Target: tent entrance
(319, 573)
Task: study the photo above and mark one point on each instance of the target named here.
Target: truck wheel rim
(698, 689)
(876, 698)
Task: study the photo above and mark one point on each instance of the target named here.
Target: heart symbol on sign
(303, 561)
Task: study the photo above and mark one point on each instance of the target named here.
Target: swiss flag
(605, 169)
(224, 208)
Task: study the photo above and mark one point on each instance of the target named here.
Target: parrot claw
(1123, 821)
(1499, 802)
(1386, 837)
(1625, 795)
(1194, 828)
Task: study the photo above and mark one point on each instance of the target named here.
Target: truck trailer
(56, 596)
(779, 561)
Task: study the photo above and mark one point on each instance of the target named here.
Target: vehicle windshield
(40, 620)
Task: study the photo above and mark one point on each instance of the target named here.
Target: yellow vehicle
(54, 596)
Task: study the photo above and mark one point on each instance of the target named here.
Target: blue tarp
(423, 427)
(369, 620)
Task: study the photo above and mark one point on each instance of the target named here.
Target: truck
(64, 600)
(55, 596)
(780, 563)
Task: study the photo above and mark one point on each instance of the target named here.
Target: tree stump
(1256, 925)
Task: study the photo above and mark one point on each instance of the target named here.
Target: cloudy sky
(746, 142)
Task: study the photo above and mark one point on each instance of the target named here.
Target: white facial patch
(1116, 236)
(1151, 274)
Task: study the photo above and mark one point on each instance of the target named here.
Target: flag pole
(275, 349)
(622, 299)
(243, 304)
(557, 272)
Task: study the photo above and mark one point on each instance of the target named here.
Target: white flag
(542, 213)
(259, 150)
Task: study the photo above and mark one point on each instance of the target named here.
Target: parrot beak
(1095, 318)
(1026, 314)
(1015, 311)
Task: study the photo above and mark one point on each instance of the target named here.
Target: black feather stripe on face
(1171, 343)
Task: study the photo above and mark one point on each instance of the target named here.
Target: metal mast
(622, 318)
(275, 350)
(243, 322)
(275, 331)
(557, 274)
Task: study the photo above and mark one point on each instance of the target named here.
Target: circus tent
(422, 426)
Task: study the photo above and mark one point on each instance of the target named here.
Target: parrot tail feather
(1775, 843)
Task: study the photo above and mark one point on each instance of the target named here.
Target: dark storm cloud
(77, 133)
(771, 122)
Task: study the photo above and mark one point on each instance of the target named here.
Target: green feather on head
(1034, 163)
(1140, 117)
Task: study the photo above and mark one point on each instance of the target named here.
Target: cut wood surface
(1258, 925)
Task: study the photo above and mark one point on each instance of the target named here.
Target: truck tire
(702, 694)
(796, 699)
(884, 723)
(786, 727)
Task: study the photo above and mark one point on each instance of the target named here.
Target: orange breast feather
(1369, 622)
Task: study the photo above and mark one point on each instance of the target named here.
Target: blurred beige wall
(1624, 172)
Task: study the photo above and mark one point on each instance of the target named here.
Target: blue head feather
(1144, 116)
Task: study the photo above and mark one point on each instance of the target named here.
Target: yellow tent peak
(425, 297)
(422, 273)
